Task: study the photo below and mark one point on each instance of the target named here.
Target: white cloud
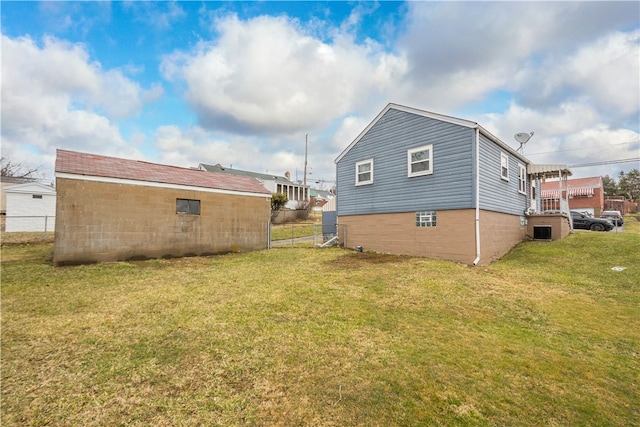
(609, 72)
(459, 52)
(190, 147)
(63, 71)
(266, 75)
(566, 70)
(54, 96)
(572, 133)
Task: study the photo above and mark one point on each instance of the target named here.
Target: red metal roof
(73, 162)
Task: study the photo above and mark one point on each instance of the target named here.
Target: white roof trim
(30, 187)
(436, 116)
(155, 184)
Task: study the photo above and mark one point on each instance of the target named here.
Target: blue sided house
(425, 184)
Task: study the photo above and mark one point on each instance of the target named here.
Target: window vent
(542, 232)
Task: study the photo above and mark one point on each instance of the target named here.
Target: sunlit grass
(546, 336)
(294, 231)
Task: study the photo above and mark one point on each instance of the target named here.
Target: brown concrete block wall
(107, 221)
(453, 238)
(560, 226)
(499, 233)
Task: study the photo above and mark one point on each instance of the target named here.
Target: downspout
(477, 260)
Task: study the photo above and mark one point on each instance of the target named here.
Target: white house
(296, 193)
(30, 207)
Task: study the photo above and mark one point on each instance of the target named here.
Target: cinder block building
(111, 209)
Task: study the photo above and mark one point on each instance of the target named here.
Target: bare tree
(18, 170)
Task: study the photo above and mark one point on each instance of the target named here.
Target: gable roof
(30, 188)
(70, 163)
(16, 180)
(436, 116)
(256, 175)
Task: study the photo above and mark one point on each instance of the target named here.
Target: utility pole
(306, 144)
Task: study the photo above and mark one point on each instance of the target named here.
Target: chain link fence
(305, 235)
(27, 223)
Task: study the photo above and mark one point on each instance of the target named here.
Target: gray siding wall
(497, 194)
(451, 186)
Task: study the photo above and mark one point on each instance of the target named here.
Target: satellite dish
(522, 137)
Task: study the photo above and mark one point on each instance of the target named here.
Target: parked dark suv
(589, 223)
(614, 216)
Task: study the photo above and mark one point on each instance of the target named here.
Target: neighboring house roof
(577, 187)
(30, 188)
(256, 175)
(15, 180)
(92, 165)
(320, 194)
(436, 116)
(593, 182)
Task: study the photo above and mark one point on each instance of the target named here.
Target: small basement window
(36, 196)
(188, 206)
(426, 219)
(542, 232)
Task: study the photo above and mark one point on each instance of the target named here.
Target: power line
(581, 148)
(606, 162)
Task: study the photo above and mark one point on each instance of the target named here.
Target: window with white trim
(522, 178)
(426, 219)
(504, 166)
(420, 161)
(364, 172)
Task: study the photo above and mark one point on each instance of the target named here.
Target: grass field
(547, 336)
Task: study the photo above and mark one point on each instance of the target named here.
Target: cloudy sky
(242, 83)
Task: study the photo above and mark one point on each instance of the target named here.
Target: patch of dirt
(359, 259)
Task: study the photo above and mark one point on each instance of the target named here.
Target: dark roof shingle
(256, 175)
(73, 162)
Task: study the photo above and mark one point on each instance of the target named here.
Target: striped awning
(573, 192)
(550, 194)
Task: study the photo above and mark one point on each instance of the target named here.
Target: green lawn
(294, 231)
(547, 336)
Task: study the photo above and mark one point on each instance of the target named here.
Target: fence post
(315, 235)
